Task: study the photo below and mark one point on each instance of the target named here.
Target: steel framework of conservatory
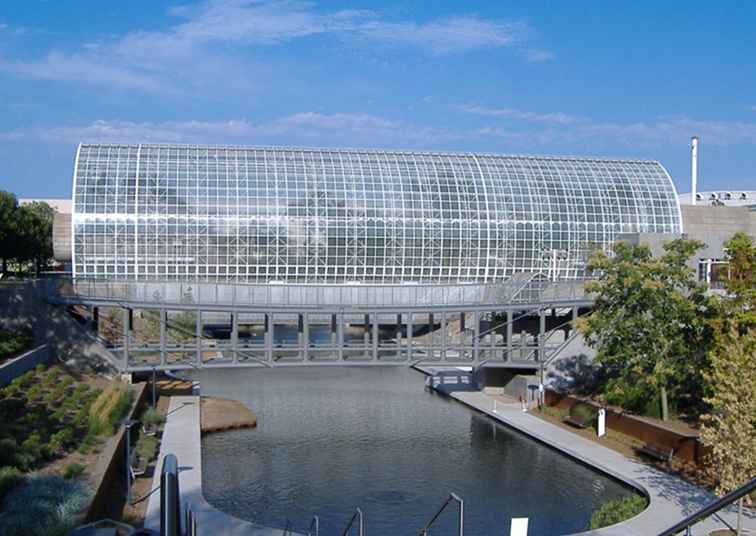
(340, 238)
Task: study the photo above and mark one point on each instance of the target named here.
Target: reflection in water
(330, 440)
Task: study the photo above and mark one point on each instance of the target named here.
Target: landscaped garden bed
(13, 344)
(53, 422)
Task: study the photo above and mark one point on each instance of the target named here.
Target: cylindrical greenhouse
(270, 214)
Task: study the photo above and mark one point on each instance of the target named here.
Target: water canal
(332, 439)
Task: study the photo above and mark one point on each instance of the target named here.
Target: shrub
(44, 506)
(151, 417)
(109, 409)
(613, 512)
(33, 392)
(32, 451)
(8, 451)
(73, 470)
(12, 343)
(40, 368)
(60, 440)
(584, 412)
(10, 477)
(60, 413)
(146, 448)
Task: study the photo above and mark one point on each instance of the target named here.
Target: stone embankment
(218, 414)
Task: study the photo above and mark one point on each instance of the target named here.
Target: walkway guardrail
(170, 502)
(314, 528)
(170, 505)
(286, 295)
(357, 516)
(453, 497)
(712, 509)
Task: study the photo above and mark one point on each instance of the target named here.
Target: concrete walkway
(670, 498)
(181, 437)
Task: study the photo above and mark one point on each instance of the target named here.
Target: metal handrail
(711, 509)
(356, 516)
(314, 523)
(425, 531)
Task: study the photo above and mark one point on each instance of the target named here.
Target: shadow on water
(331, 440)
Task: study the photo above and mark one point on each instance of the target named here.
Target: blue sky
(630, 80)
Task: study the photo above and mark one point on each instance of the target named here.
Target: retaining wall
(24, 363)
(110, 464)
(687, 447)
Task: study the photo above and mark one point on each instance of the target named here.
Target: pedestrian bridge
(173, 325)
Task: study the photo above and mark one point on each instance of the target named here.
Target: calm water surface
(329, 440)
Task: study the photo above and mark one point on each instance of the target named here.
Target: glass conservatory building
(283, 215)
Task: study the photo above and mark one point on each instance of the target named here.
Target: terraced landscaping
(52, 424)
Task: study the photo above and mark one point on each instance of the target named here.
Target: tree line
(666, 344)
(25, 234)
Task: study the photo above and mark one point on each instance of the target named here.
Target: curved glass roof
(164, 212)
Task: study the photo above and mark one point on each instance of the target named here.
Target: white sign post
(601, 422)
(519, 526)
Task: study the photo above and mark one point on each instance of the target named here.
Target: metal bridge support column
(523, 345)
(198, 338)
(399, 334)
(128, 319)
(366, 337)
(340, 335)
(300, 334)
(333, 330)
(476, 336)
(431, 347)
(235, 336)
(306, 336)
(444, 332)
(462, 336)
(269, 332)
(163, 322)
(492, 335)
(409, 336)
(541, 334)
(510, 327)
(575, 313)
(374, 327)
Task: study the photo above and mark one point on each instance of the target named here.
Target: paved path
(670, 498)
(181, 437)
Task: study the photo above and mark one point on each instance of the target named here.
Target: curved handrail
(425, 531)
(356, 516)
(316, 524)
(711, 509)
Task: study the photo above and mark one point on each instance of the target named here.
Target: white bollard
(601, 422)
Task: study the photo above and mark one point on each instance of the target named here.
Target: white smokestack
(694, 168)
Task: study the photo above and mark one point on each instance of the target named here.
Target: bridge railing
(291, 295)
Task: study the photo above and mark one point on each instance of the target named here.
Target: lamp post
(128, 423)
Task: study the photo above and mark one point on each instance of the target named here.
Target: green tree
(34, 234)
(8, 207)
(729, 429)
(648, 325)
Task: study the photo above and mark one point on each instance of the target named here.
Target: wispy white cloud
(153, 60)
(452, 35)
(534, 55)
(510, 113)
(543, 128)
(363, 129)
(313, 128)
(82, 68)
